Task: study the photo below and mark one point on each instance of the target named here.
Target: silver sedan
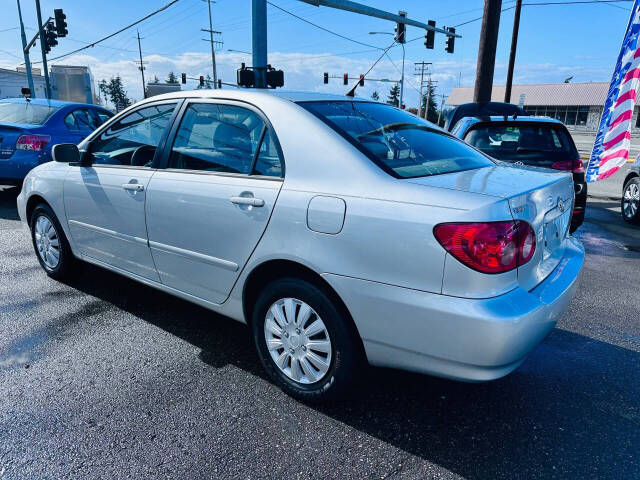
(341, 231)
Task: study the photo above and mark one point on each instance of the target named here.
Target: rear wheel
(303, 340)
(50, 243)
(630, 204)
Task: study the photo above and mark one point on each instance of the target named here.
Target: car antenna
(352, 91)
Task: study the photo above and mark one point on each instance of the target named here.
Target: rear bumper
(15, 168)
(458, 338)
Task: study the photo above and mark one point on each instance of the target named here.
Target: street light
(238, 51)
(402, 76)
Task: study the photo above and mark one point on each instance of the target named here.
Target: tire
(630, 202)
(44, 220)
(305, 352)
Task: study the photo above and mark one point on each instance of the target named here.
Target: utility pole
(487, 51)
(512, 53)
(259, 41)
(43, 46)
(27, 62)
(422, 66)
(442, 96)
(213, 53)
(141, 67)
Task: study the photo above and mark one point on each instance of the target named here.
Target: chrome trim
(111, 233)
(218, 262)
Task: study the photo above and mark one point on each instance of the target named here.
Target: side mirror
(66, 153)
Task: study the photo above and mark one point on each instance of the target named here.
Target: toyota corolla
(342, 231)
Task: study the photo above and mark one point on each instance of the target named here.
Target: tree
(375, 96)
(208, 83)
(171, 78)
(115, 92)
(432, 109)
(394, 96)
(155, 79)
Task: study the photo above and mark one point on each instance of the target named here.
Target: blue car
(30, 128)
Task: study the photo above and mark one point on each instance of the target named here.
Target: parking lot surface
(106, 378)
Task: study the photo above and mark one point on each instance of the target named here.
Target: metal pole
(43, 41)
(421, 87)
(441, 106)
(426, 107)
(213, 53)
(512, 54)
(487, 51)
(27, 62)
(144, 90)
(402, 78)
(259, 41)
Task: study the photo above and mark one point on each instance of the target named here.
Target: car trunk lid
(9, 134)
(538, 196)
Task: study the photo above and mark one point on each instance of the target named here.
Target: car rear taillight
(576, 166)
(32, 142)
(492, 247)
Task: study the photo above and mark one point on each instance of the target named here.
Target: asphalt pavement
(104, 378)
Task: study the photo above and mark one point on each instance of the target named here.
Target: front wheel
(630, 204)
(303, 340)
(50, 243)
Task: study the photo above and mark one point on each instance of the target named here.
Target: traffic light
(219, 83)
(326, 77)
(430, 36)
(50, 37)
(202, 80)
(401, 29)
(183, 78)
(361, 82)
(345, 79)
(61, 24)
(449, 46)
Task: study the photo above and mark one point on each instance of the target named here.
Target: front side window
(224, 138)
(133, 139)
(539, 145)
(402, 144)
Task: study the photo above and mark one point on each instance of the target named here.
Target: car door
(209, 207)
(105, 201)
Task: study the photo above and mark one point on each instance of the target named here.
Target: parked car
(535, 141)
(630, 203)
(488, 109)
(338, 229)
(29, 128)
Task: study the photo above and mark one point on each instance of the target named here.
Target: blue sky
(555, 41)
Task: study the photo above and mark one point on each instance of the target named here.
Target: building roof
(575, 94)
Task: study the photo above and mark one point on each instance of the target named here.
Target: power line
(323, 28)
(115, 33)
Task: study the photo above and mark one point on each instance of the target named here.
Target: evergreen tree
(432, 109)
(394, 96)
(375, 96)
(115, 92)
(171, 78)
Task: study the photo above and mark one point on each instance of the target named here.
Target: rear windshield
(402, 144)
(540, 145)
(28, 113)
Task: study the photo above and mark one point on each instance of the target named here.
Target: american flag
(611, 147)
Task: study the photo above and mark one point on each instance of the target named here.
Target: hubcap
(631, 200)
(47, 241)
(297, 340)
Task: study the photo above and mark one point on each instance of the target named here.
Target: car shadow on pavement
(8, 208)
(572, 410)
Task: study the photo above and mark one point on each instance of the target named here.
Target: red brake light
(492, 247)
(577, 166)
(32, 142)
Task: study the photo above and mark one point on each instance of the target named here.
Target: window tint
(81, 120)
(222, 138)
(401, 143)
(539, 145)
(133, 139)
(26, 112)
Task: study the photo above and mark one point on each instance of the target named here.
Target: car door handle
(254, 202)
(133, 187)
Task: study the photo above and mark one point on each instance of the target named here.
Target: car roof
(256, 94)
(502, 119)
(50, 103)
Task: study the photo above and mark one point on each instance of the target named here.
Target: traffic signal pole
(512, 53)
(259, 41)
(25, 50)
(487, 51)
(144, 89)
(43, 47)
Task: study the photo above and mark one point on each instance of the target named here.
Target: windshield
(540, 145)
(25, 113)
(402, 144)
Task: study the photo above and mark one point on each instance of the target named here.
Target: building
(157, 88)
(578, 105)
(72, 83)
(13, 81)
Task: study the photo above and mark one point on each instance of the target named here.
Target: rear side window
(402, 144)
(540, 145)
(81, 120)
(224, 138)
(29, 113)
